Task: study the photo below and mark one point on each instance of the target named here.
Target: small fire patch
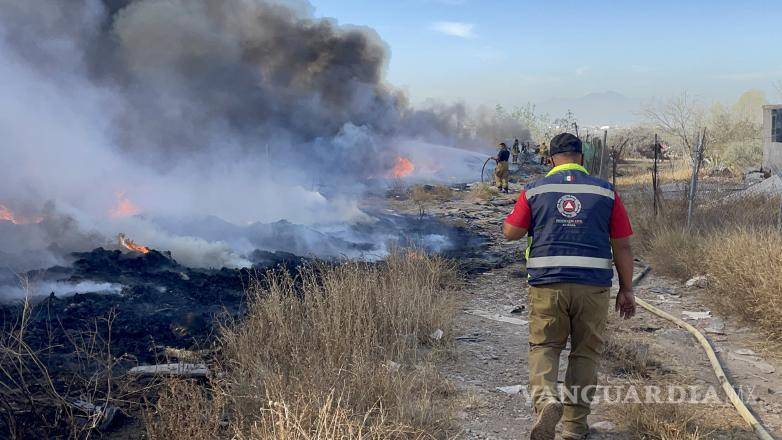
(569, 206)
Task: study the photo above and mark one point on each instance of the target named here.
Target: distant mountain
(603, 108)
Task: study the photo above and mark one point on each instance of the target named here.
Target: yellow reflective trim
(569, 188)
(567, 167)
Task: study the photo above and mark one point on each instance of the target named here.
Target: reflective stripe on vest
(570, 261)
(570, 189)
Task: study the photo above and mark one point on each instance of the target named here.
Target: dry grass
(680, 421)
(431, 193)
(640, 175)
(482, 191)
(678, 253)
(746, 276)
(627, 358)
(655, 418)
(662, 422)
(330, 352)
(630, 359)
(736, 242)
(424, 195)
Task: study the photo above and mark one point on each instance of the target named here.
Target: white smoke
(57, 288)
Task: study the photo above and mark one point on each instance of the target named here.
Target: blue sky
(511, 52)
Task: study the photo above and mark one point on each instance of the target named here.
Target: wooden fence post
(655, 180)
(697, 158)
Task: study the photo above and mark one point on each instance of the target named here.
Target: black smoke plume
(242, 109)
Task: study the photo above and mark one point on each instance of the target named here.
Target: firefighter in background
(501, 170)
(543, 153)
(514, 151)
(578, 231)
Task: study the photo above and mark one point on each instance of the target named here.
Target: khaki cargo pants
(501, 175)
(556, 312)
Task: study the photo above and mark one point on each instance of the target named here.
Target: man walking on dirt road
(578, 230)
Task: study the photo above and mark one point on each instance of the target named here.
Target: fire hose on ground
(727, 387)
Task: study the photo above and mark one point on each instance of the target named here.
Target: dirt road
(491, 351)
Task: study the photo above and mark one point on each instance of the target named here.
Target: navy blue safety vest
(569, 234)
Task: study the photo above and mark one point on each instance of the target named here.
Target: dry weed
(662, 422)
(668, 171)
(78, 400)
(431, 193)
(678, 421)
(627, 358)
(185, 411)
(676, 252)
(334, 352)
(733, 240)
(425, 195)
(746, 279)
(482, 191)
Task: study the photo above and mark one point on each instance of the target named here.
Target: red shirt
(619, 226)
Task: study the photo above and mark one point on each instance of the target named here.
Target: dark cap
(565, 143)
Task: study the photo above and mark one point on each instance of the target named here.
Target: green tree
(735, 133)
(749, 106)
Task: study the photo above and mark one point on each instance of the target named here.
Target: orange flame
(131, 245)
(124, 207)
(402, 168)
(8, 215)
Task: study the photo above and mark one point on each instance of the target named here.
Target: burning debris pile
(131, 245)
(402, 168)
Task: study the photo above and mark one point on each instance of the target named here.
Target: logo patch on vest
(569, 206)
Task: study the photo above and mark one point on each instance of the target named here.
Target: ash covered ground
(157, 302)
(133, 308)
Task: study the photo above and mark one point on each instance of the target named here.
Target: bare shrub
(738, 156)
(81, 398)
(334, 352)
